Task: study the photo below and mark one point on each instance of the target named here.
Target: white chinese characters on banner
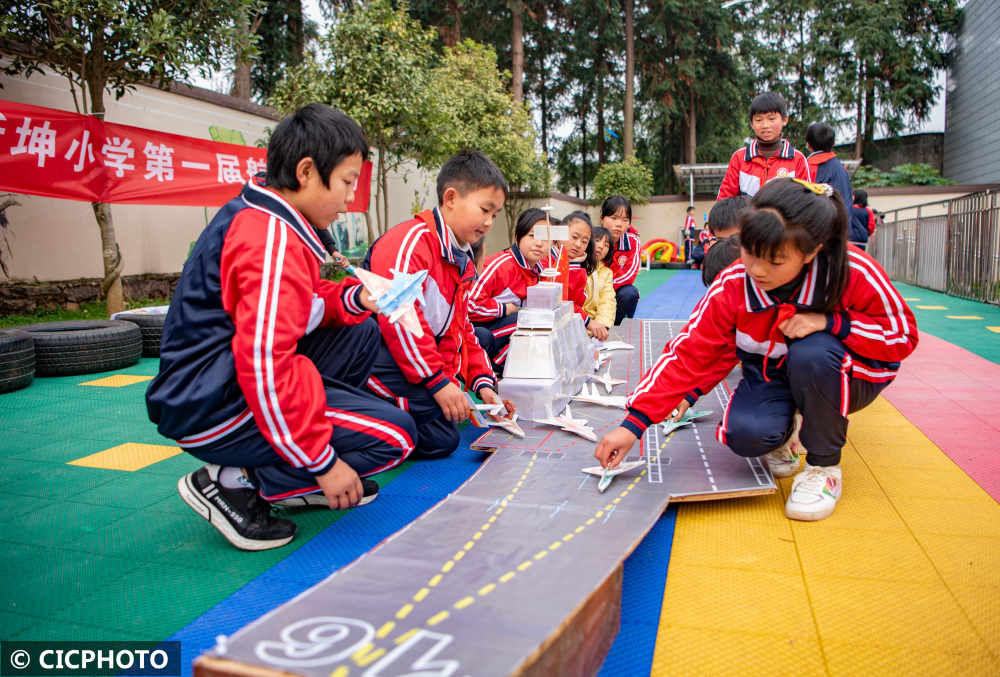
(159, 161)
(229, 168)
(116, 152)
(86, 151)
(254, 167)
(39, 141)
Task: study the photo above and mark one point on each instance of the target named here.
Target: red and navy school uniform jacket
(249, 291)
(448, 349)
(749, 170)
(736, 321)
(827, 168)
(578, 289)
(625, 260)
(505, 279)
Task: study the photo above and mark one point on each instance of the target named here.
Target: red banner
(56, 153)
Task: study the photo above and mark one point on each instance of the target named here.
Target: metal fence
(957, 252)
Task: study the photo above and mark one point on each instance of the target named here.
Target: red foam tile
(953, 396)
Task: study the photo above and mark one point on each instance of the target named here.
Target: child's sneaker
(240, 515)
(784, 461)
(318, 499)
(815, 492)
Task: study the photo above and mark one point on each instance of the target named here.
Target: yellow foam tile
(749, 547)
(964, 317)
(905, 452)
(995, 330)
(917, 615)
(130, 456)
(911, 298)
(933, 307)
(946, 483)
(861, 658)
(762, 511)
(966, 560)
(982, 606)
(707, 651)
(948, 516)
(873, 554)
(738, 600)
(856, 511)
(118, 380)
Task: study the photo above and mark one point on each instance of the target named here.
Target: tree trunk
(629, 79)
(599, 103)
(869, 119)
(583, 151)
(111, 287)
(241, 74)
(691, 120)
(517, 50)
(452, 35)
(385, 199)
(543, 92)
(859, 120)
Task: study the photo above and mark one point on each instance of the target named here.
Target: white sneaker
(784, 461)
(815, 492)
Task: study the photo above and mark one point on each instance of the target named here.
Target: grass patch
(89, 310)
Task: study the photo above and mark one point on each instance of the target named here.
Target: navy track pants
(369, 435)
(626, 298)
(817, 381)
(437, 437)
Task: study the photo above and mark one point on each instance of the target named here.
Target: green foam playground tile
(51, 481)
(61, 524)
(153, 602)
(969, 334)
(13, 623)
(12, 508)
(41, 579)
(648, 280)
(146, 536)
(133, 490)
(45, 631)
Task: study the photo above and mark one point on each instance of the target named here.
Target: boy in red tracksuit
(768, 156)
(422, 374)
(263, 364)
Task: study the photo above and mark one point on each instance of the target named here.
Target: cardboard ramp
(517, 572)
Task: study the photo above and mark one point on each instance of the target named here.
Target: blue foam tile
(674, 299)
(643, 585)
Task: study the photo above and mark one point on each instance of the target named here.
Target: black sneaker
(240, 515)
(318, 499)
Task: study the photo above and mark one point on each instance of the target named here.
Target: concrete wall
(972, 106)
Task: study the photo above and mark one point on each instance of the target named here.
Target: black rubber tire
(17, 359)
(152, 330)
(84, 346)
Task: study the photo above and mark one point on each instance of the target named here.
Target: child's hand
(453, 403)
(511, 308)
(803, 324)
(598, 330)
(368, 302)
(489, 396)
(341, 486)
(679, 412)
(614, 446)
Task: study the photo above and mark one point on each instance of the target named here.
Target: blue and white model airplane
(395, 297)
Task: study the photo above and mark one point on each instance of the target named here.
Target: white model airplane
(395, 297)
(608, 474)
(608, 346)
(690, 416)
(606, 379)
(577, 426)
(590, 395)
(498, 417)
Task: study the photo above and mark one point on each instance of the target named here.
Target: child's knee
(437, 440)
(752, 436)
(819, 354)
(628, 294)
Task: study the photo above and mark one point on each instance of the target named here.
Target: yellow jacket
(600, 292)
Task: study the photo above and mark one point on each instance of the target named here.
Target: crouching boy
(263, 364)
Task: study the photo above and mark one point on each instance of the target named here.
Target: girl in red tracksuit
(818, 328)
(503, 285)
(616, 216)
(582, 263)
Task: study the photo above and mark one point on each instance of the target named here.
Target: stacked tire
(17, 359)
(151, 326)
(83, 346)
